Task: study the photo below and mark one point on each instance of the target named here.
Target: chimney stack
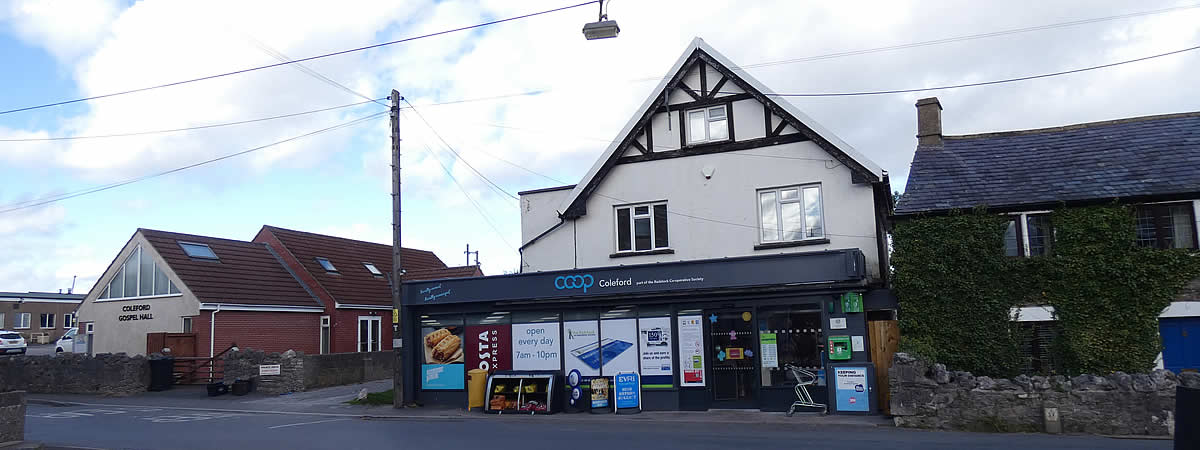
(929, 122)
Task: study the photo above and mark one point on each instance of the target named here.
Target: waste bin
(162, 374)
(1187, 418)
(476, 388)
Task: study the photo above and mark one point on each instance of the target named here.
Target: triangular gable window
(139, 276)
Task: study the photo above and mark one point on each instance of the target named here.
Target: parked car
(66, 343)
(11, 342)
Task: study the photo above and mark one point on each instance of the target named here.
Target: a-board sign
(268, 369)
(599, 387)
(627, 390)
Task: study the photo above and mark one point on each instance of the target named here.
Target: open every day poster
(535, 346)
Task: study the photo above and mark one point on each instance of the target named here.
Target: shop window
(642, 227)
(442, 354)
(656, 347)
(797, 336)
(47, 321)
(791, 214)
(1167, 225)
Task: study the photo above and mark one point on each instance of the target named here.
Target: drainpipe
(212, 340)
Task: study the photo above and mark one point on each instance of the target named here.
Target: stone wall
(300, 372)
(74, 373)
(12, 416)
(927, 395)
(1189, 292)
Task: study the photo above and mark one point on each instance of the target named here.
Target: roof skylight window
(196, 250)
(325, 264)
(374, 270)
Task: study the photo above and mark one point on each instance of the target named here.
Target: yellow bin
(476, 385)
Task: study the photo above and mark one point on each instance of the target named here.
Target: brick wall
(268, 331)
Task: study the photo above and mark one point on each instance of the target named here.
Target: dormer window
(197, 250)
(707, 125)
(374, 270)
(325, 264)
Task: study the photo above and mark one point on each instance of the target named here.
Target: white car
(12, 343)
(66, 343)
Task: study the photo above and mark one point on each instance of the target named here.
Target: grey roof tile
(1155, 155)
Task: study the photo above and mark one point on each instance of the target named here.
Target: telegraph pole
(397, 315)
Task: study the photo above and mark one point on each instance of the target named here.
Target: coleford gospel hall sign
(135, 312)
(803, 268)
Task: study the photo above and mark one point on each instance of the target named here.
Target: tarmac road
(152, 427)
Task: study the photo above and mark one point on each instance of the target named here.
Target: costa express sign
(489, 347)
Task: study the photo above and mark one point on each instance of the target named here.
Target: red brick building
(272, 294)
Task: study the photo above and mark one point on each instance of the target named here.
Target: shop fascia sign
(828, 266)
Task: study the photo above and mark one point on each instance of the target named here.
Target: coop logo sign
(574, 282)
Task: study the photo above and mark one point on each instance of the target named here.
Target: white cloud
(592, 87)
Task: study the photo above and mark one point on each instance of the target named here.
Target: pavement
(186, 418)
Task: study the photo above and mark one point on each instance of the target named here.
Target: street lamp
(602, 28)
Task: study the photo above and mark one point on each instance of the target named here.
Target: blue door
(1181, 343)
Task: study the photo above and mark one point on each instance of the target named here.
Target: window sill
(772, 245)
(661, 251)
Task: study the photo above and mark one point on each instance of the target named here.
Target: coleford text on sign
(142, 313)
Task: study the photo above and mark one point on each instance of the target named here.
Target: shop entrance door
(734, 354)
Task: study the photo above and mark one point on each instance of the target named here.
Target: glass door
(733, 351)
(368, 333)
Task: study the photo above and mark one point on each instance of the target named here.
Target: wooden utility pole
(398, 317)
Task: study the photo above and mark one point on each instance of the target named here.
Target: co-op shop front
(701, 334)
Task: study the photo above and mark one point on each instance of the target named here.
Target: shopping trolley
(804, 399)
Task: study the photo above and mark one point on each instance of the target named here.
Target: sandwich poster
(442, 367)
(489, 347)
(582, 343)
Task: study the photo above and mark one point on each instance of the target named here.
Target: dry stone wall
(73, 373)
(299, 372)
(927, 395)
(12, 416)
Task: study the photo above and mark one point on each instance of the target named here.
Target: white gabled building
(711, 166)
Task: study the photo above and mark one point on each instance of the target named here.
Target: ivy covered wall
(957, 290)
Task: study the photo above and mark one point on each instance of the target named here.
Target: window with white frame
(1, 321)
(139, 276)
(47, 320)
(70, 321)
(374, 270)
(1166, 225)
(792, 213)
(708, 124)
(1029, 234)
(22, 321)
(642, 227)
(324, 335)
(187, 325)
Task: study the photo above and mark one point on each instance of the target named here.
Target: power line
(455, 152)
(174, 130)
(487, 219)
(310, 58)
(984, 83)
(56, 198)
(841, 54)
(313, 73)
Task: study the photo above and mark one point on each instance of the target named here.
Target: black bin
(218, 388)
(1187, 418)
(162, 374)
(241, 387)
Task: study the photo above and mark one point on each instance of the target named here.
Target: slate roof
(1135, 157)
(352, 284)
(245, 272)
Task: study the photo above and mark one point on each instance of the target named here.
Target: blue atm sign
(628, 390)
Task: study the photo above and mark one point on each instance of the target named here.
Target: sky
(338, 182)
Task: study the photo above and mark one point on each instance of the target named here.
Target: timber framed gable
(703, 78)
